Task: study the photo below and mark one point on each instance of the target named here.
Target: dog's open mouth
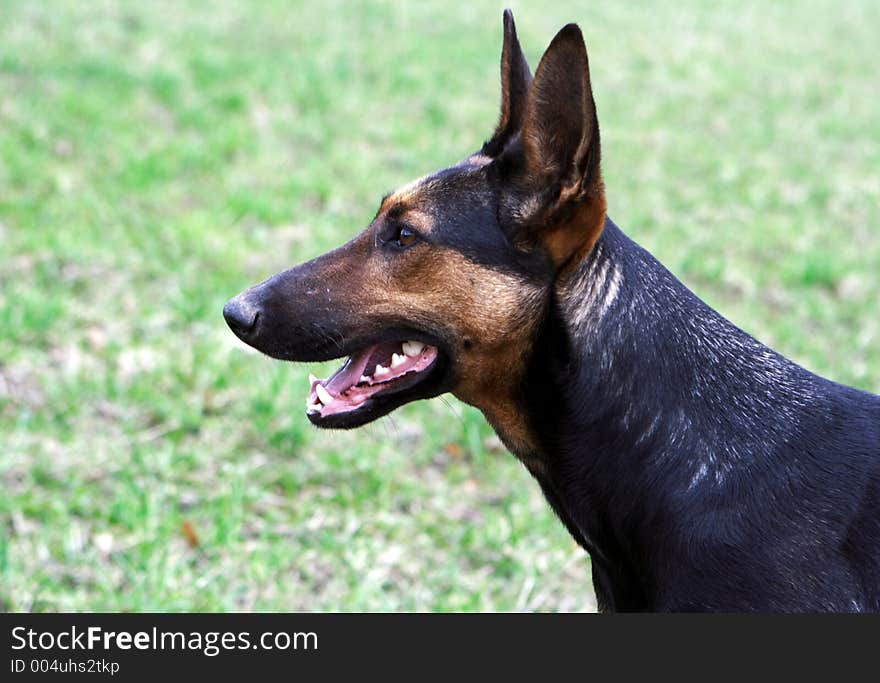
(385, 367)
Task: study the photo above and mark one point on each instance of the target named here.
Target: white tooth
(323, 394)
(380, 370)
(412, 348)
(312, 379)
(397, 360)
(363, 379)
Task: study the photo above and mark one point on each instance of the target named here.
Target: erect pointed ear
(515, 80)
(559, 199)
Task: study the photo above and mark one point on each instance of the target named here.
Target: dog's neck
(641, 397)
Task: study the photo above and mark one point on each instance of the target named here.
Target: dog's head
(445, 288)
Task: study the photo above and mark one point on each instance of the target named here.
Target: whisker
(452, 409)
(394, 425)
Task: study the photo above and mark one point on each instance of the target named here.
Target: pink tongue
(350, 373)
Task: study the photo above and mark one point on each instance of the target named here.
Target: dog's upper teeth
(412, 348)
(323, 394)
(380, 370)
(397, 360)
(312, 379)
(363, 379)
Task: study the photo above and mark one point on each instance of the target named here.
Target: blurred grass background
(156, 158)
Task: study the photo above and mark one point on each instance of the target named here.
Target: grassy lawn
(157, 157)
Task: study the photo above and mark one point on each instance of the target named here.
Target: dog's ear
(515, 80)
(556, 198)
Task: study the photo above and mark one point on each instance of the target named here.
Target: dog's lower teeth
(399, 365)
(313, 405)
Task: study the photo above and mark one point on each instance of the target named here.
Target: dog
(700, 470)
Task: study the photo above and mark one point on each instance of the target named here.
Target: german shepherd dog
(700, 470)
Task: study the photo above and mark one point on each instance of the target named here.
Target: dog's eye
(404, 237)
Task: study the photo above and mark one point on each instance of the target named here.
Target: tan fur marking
(487, 316)
(572, 241)
(420, 220)
(408, 192)
(386, 204)
(478, 160)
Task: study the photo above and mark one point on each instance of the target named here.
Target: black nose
(241, 316)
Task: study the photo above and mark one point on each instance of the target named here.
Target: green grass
(156, 158)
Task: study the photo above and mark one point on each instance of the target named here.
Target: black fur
(700, 469)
